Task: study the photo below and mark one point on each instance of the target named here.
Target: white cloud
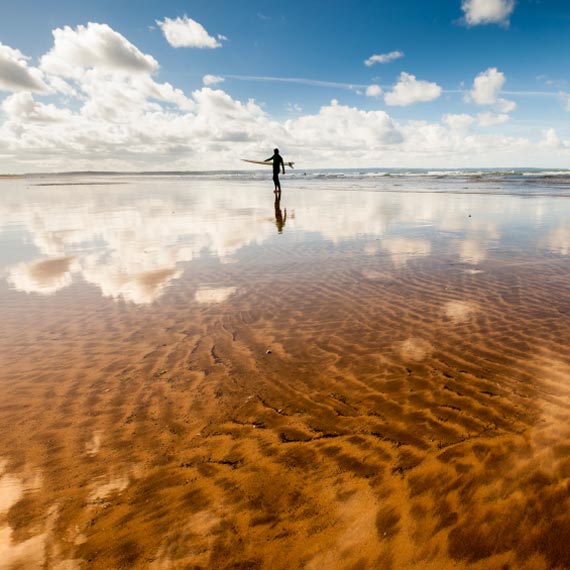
(565, 100)
(120, 126)
(294, 108)
(185, 32)
(59, 85)
(339, 127)
(95, 46)
(110, 113)
(505, 106)
(373, 91)
(409, 90)
(15, 75)
(107, 75)
(212, 80)
(487, 11)
(383, 58)
(22, 106)
(460, 122)
(114, 98)
(551, 139)
(491, 119)
(486, 88)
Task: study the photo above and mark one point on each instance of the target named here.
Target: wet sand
(315, 404)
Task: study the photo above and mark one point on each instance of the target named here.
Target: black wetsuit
(277, 164)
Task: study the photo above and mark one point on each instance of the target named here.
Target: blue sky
(517, 48)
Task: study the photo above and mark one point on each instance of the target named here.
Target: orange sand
(415, 419)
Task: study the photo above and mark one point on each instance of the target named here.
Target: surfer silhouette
(277, 163)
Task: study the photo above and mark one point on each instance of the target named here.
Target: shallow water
(367, 374)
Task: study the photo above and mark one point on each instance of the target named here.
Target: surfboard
(266, 163)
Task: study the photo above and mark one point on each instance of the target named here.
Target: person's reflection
(280, 215)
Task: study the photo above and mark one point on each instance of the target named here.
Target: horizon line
(15, 175)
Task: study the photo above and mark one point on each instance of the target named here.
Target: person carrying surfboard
(277, 160)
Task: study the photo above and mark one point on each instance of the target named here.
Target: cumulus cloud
(116, 98)
(95, 46)
(23, 107)
(486, 88)
(409, 90)
(505, 106)
(219, 117)
(344, 127)
(15, 75)
(109, 112)
(383, 58)
(212, 80)
(185, 32)
(373, 91)
(429, 143)
(550, 139)
(477, 12)
(491, 119)
(59, 85)
(460, 122)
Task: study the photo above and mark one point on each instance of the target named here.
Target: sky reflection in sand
(13, 487)
(134, 240)
(384, 380)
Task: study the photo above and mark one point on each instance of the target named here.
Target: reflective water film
(364, 372)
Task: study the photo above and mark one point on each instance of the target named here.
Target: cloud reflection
(43, 275)
(215, 295)
(401, 250)
(416, 349)
(459, 311)
(558, 241)
(132, 240)
(29, 553)
(141, 288)
(471, 251)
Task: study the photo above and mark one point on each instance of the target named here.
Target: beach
(371, 373)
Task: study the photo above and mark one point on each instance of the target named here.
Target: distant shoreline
(387, 170)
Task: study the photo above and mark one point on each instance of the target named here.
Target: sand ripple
(361, 414)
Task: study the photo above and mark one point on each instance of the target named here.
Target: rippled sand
(362, 408)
